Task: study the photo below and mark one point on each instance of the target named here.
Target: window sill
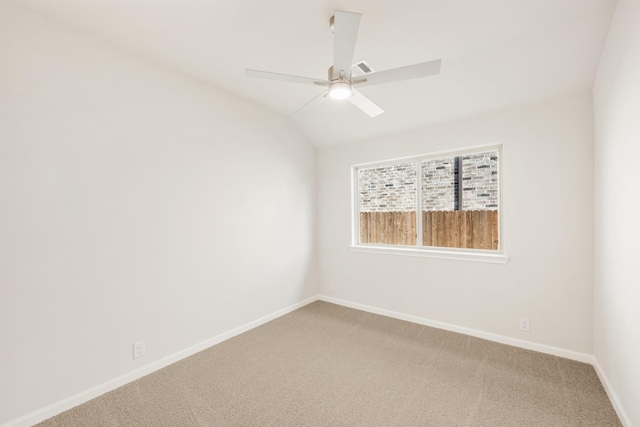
(474, 256)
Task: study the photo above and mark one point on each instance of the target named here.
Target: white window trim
(463, 254)
(440, 253)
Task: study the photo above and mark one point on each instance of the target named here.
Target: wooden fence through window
(453, 229)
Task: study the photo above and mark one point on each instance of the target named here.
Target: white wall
(617, 228)
(135, 203)
(549, 277)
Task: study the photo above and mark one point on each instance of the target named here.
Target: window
(449, 201)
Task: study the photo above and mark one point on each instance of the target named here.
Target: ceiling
(496, 53)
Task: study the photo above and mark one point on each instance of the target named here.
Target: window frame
(479, 255)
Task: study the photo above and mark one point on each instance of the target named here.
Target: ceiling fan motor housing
(338, 76)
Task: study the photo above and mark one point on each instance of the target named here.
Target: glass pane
(460, 201)
(480, 178)
(388, 204)
(439, 190)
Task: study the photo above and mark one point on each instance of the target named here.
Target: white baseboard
(542, 348)
(84, 396)
(613, 397)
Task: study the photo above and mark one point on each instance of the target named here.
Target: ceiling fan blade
(345, 35)
(285, 77)
(365, 104)
(312, 102)
(424, 69)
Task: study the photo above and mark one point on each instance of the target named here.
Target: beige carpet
(327, 365)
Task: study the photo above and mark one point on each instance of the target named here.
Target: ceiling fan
(341, 83)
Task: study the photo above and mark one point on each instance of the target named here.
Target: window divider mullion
(419, 203)
(355, 201)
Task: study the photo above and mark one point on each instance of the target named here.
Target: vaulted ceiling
(496, 53)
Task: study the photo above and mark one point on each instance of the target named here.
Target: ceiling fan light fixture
(340, 90)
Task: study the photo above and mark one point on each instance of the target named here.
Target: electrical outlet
(333, 287)
(138, 349)
(524, 324)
